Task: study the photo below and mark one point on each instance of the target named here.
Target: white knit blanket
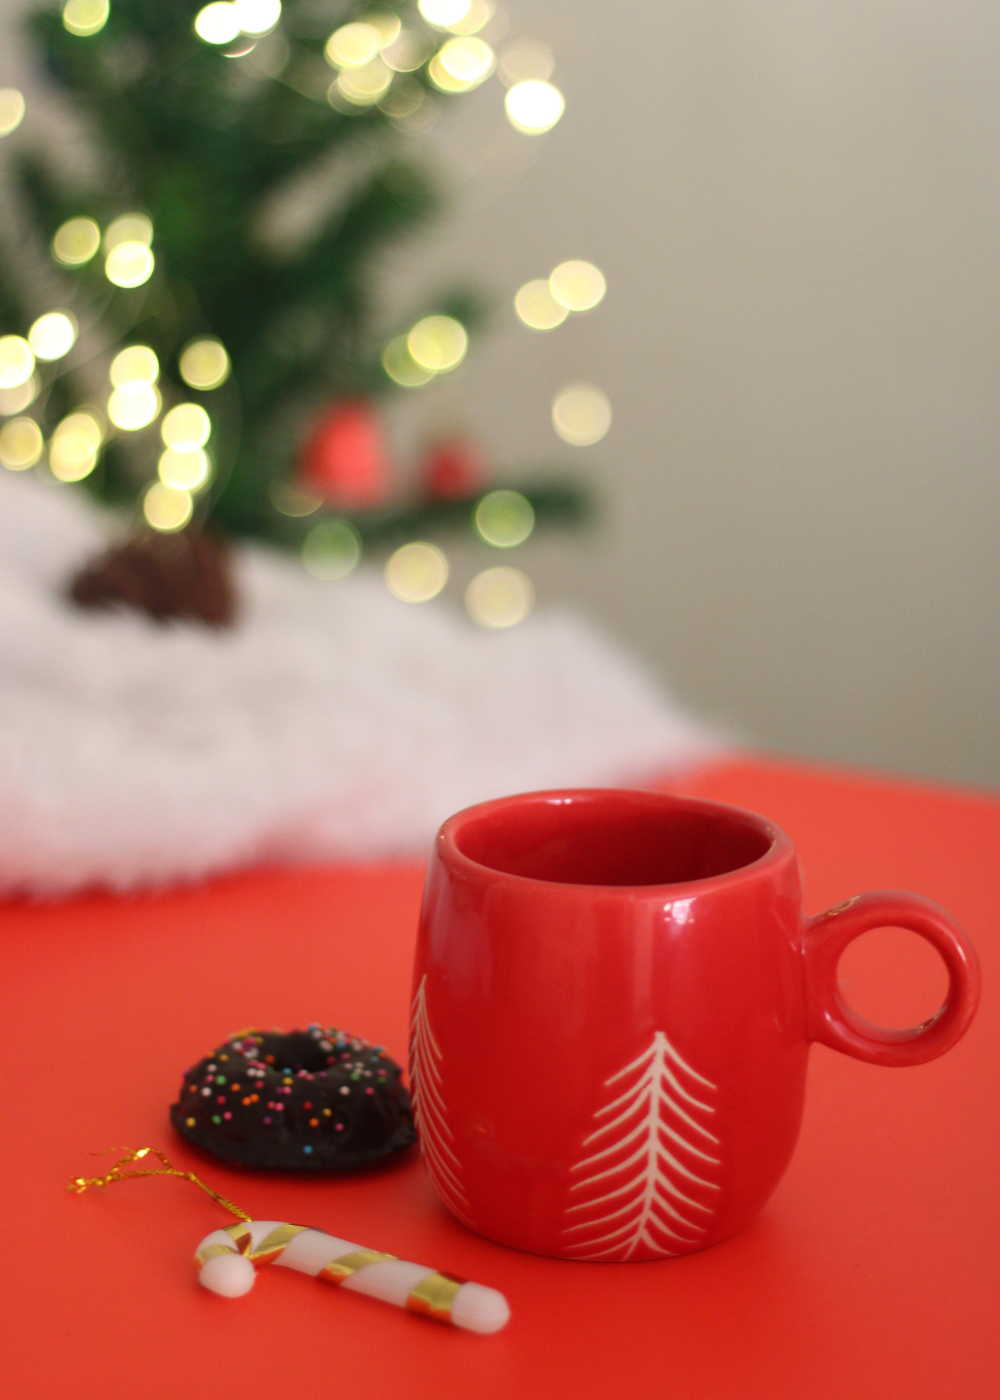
(332, 723)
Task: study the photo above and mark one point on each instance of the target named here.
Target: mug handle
(832, 1022)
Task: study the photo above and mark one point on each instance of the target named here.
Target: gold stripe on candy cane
(209, 1252)
(241, 1236)
(340, 1269)
(273, 1244)
(434, 1295)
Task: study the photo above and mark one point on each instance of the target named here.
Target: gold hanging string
(80, 1184)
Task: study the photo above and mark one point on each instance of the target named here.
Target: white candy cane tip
(480, 1309)
(229, 1275)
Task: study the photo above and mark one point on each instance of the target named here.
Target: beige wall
(796, 207)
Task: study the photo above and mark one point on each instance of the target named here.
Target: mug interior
(610, 838)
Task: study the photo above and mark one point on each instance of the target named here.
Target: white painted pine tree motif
(649, 1186)
(429, 1111)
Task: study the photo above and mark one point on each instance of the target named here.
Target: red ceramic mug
(613, 1001)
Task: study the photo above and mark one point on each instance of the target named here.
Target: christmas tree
(175, 353)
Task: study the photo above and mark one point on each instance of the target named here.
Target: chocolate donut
(312, 1100)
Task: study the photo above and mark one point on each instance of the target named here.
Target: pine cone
(184, 575)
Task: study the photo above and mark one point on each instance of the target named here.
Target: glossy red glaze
(613, 1000)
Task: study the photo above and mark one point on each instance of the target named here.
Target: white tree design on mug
(429, 1110)
(656, 1158)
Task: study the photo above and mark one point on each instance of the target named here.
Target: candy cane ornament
(227, 1261)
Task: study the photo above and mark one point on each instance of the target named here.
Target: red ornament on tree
(343, 458)
(454, 470)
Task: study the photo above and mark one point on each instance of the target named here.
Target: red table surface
(873, 1272)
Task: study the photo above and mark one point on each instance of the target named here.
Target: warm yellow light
(416, 572)
(129, 265)
(438, 343)
(406, 53)
(85, 17)
(186, 427)
(134, 406)
(17, 361)
(581, 414)
(11, 110)
(364, 86)
(442, 14)
(74, 447)
(217, 23)
(292, 500)
(400, 365)
(500, 597)
(404, 100)
(257, 16)
(128, 228)
(167, 509)
(479, 13)
(331, 549)
(577, 285)
(18, 398)
(21, 444)
(204, 364)
(52, 335)
(537, 307)
(461, 65)
(353, 45)
(534, 107)
(525, 60)
(76, 242)
(388, 26)
(184, 471)
(504, 518)
(136, 364)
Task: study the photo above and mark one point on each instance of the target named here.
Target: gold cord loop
(81, 1183)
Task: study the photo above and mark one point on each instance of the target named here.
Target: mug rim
(779, 848)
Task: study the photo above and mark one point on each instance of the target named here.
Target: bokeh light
(534, 107)
(387, 24)
(504, 518)
(461, 64)
(134, 406)
(581, 414)
(11, 110)
(52, 335)
(21, 444)
(257, 16)
(331, 549)
(134, 364)
(17, 399)
(217, 23)
(400, 365)
(577, 285)
(364, 86)
(500, 597)
(438, 343)
(404, 101)
(184, 471)
(129, 265)
(186, 427)
(353, 45)
(526, 60)
(416, 572)
(17, 361)
(74, 447)
(407, 52)
(204, 364)
(85, 17)
(537, 307)
(128, 228)
(75, 242)
(292, 500)
(479, 14)
(165, 508)
(442, 14)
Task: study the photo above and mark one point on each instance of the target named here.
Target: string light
(134, 406)
(504, 518)
(11, 110)
(479, 14)
(443, 14)
(461, 65)
(217, 23)
(186, 427)
(18, 398)
(577, 285)
(184, 471)
(52, 335)
(331, 550)
(438, 343)
(204, 364)
(416, 572)
(353, 45)
(167, 509)
(135, 364)
(85, 17)
(74, 447)
(526, 60)
(537, 307)
(581, 414)
(129, 264)
(500, 597)
(17, 361)
(257, 16)
(533, 106)
(364, 86)
(21, 444)
(406, 53)
(388, 26)
(401, 367)
(128, 228)
(75, 242)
